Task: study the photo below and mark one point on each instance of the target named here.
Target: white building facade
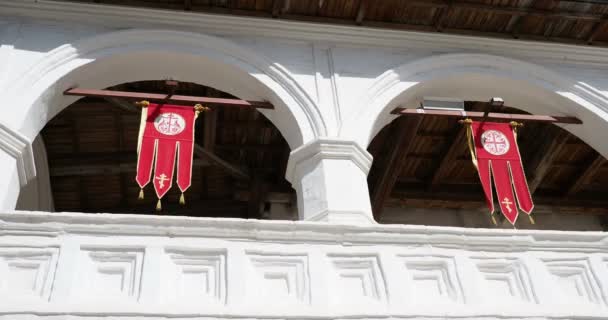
(333, 88)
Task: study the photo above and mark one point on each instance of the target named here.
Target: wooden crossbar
(167, 98)
(489, 116)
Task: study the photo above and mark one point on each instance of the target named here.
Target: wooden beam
(167, 98)
(596, 31)
(278, 7)
(448, 155)
(443, 13)
(490, 116)
(92, 169)
(233, 170)
(363, 5)
(545, 13)
(592, 166)
(554, 140)
(401, 136)
(187, 5)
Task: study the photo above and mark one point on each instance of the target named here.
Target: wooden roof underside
(581, 22)
(91, 150)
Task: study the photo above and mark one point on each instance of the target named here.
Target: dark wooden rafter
(403, 133)
(167, 98)
(551, 21)
(279, 7)
(597, 30)
(554, 141)
(442, 15)
(490, 116)
(187, 5)
(93, 169)
(447, 156)
(363, 5)
(591, 167)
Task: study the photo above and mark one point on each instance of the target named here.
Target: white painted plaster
(76, 265)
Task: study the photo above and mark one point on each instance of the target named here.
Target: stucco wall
(325, 81)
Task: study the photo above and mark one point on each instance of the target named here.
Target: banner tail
(165, 164)
(524, 198)
(483, 166)
(504, 190)
(184, 165)
(145, 160)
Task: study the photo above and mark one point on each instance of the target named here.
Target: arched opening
(436, 183)
(91, 149)
(133, 55)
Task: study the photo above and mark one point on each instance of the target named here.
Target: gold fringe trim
(182, 200)
(493, 219)
(467, 122)
(159, 206)
(141, 194)
(531, 219)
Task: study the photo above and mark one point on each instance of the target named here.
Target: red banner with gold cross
(496, 155)
(166, 136)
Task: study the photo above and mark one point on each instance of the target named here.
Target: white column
(330, 178)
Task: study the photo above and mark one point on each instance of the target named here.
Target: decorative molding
(576, 280)
(109, 274)
(279, 277)
(27, 273)
(357, 280)
(326, 149)
(197, 273)
(245, 269)
(505, 281)
(119, 17)
(20, 148)
(432, 279)
(54, 224)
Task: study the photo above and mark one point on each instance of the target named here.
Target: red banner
(166, 132)
(498, 159)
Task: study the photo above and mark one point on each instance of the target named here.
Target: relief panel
(575, 280)
(505, 280)
(357, 280)
(196, 275)
(432, 280)
(109, 274)
(27, 273)
(281, 278)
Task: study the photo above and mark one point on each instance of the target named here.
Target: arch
(479, 77)
(132, 55)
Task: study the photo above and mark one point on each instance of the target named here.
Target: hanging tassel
(182, 200)
(159, 206)
(141, 194)
(493, 219)
(531, 219)
(470, 140)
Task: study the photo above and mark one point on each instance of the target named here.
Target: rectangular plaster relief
(505, 281)
(278, 277)
(195, 275)
(431, 280)
(110, 274)
(575, 279)
(27, 273)
(356, 280)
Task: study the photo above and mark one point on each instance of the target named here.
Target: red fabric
(499, 161)
(168, 132)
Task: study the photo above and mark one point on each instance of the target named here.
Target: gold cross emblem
(507, 204)
(161, 180)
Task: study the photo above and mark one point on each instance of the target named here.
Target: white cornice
(53, 224)
(121, 17)
(20, 148)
